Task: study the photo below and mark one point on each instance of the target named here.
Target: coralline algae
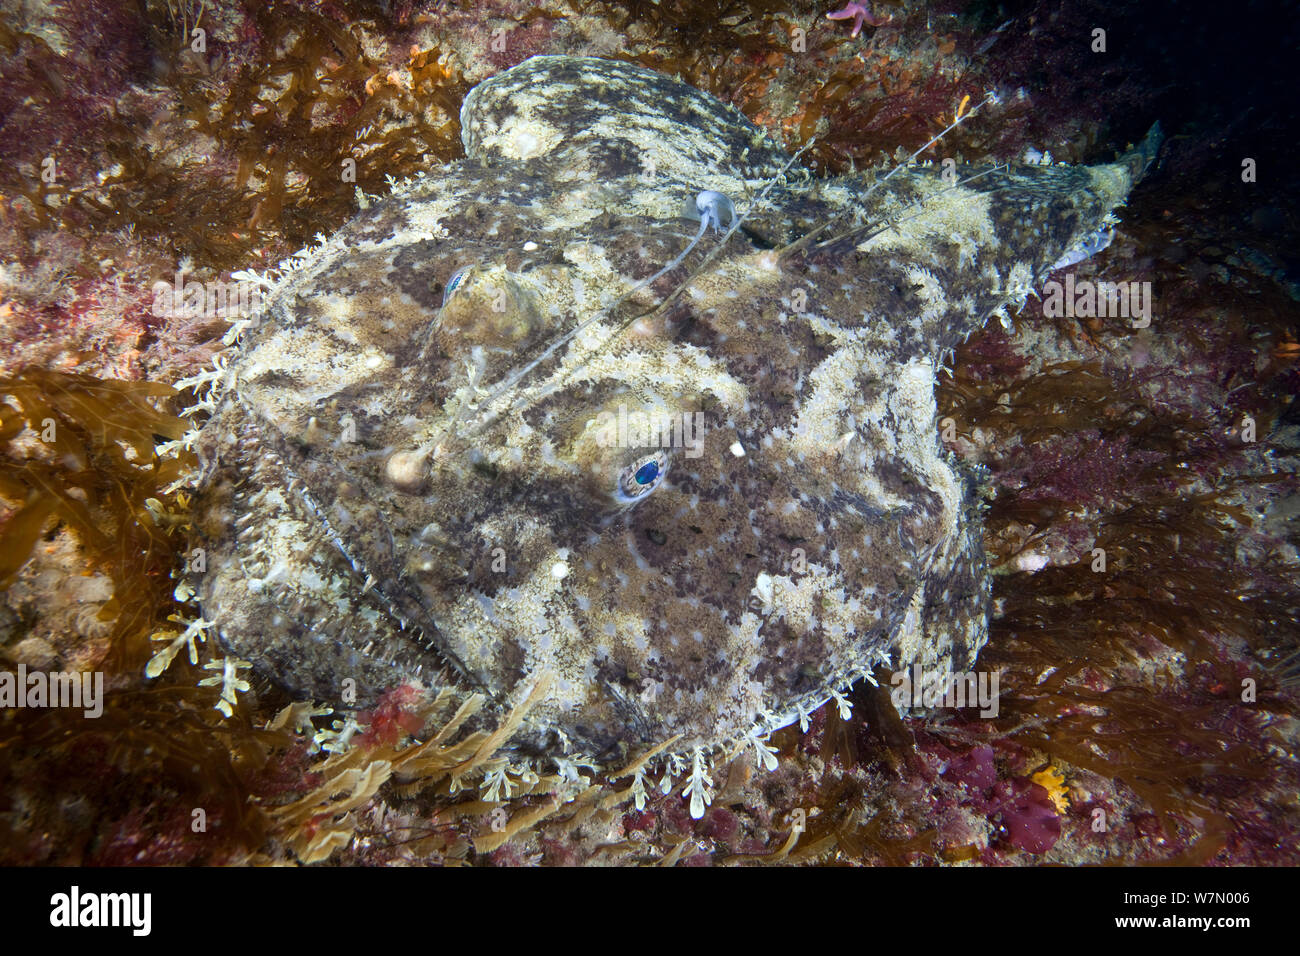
(553, 410)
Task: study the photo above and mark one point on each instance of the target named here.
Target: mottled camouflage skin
(744, 587)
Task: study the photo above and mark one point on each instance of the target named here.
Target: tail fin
(1140, 158)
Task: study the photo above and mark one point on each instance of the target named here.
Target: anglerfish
(629, 398)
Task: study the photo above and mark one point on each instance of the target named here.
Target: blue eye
(454, 282)
(641, 477)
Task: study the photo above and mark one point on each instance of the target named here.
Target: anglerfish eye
(641, 477)
(715, 209)
(454, 282)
